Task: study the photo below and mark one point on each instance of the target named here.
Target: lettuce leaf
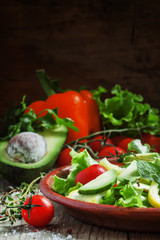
(138, 147)
(79, 162)
(125, 195)
(125, 109)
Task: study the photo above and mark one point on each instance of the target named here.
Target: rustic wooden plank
(139, 236)
(63, 226)
(88, 42)
(59, 228)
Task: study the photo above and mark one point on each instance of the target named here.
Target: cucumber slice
(150, 157)
(100, 184)
(92, 198)
(141, 186)
(130, 173)
(105, 163)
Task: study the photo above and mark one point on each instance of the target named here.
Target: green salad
(135, 184)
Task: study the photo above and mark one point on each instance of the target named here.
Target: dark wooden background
(91, 42)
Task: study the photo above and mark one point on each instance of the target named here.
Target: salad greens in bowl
(120, 197)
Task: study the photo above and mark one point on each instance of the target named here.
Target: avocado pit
(27, 147)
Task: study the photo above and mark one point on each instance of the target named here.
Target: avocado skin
(18, 175)
(17, 172)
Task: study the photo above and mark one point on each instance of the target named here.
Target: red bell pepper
(71, 105)
(92, 111)
(37, 106)
(80, 107)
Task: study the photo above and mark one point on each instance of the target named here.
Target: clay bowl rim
(47, 190)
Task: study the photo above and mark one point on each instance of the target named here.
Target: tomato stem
(109, 132)
(27, 206)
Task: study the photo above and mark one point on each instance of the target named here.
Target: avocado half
(17, 172)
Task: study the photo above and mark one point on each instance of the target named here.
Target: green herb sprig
(19, 120)
(11, 202)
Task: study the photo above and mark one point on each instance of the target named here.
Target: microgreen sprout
(12, 202)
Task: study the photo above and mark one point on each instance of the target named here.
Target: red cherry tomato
(83, 141)
(110, 151)
(117, 139)
(64, 158)
(81, 150)
(124, 143)
(118, 164)
(96, 145)
(152, 140)
(89, 173)
(38, 216)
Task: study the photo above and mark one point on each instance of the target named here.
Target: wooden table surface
(87, 42)
(63, 226)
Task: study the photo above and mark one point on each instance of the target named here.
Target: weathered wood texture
(88, 42)
(64, 227)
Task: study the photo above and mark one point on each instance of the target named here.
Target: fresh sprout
(11, 202)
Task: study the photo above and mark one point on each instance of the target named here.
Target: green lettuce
(130, 197)
(138, 147)
(125, 195)
(79, 162)
(125, 109)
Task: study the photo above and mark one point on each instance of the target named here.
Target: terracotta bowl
(112, 217)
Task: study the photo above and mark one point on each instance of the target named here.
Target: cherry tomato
(89, 173)
(83, 140)
(41, 215)
(64, 158)
(152, 140)
(124, 143)
(118, 163)
(81, 150)
(110, 151)
(96, 145)
(117, 139)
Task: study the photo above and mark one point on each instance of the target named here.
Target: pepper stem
(45, 82)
